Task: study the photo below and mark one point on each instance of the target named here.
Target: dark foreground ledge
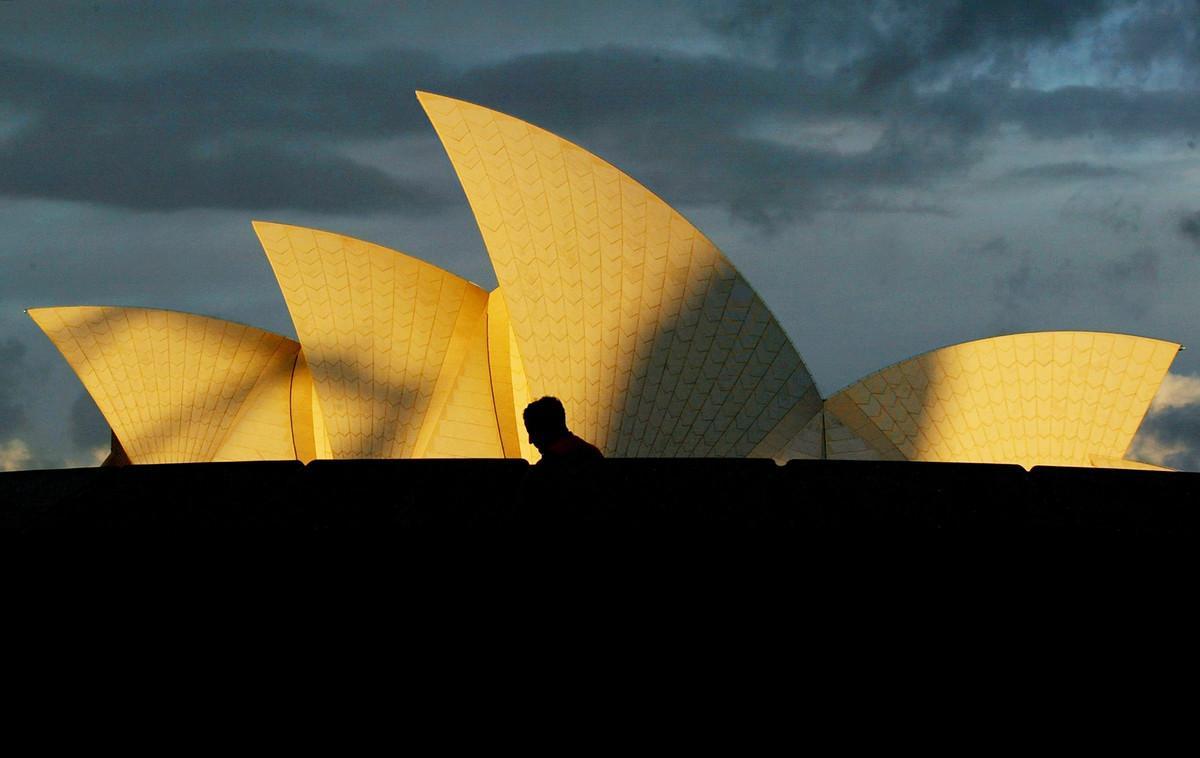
(631, 492)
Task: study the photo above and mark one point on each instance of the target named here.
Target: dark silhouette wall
(669, 493)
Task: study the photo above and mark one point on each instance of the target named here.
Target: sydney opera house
(608, 299)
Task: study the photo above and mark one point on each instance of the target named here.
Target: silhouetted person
(562, 487)
(546, 422)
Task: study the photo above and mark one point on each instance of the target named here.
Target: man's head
(546, 421)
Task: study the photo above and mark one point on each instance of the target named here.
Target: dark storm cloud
(995, 248)
(1000, 31)
(1063, 172)
(252, 129)
(1129, 282)
(236, 129)
(141, 171)
(885, 43)
(1189, 227)
(1153, 33)
(1027, 286)
(1105, 209)
(1139, 267)
(102, 30)
(88, 427)
(1077, 110)
(977, 55)
(12, 375)
(616, 85)
(146, 20)
(125, 169)
(243, 128)
(684, 121)
(874, 205)
(15, 421)
(1034, 282)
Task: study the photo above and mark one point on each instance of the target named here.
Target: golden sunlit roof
(397, 347)
(1057, 398)
(608, 299)
(621, 308)
(177, 387)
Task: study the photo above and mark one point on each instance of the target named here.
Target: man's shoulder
(571, 448)
(585, 448)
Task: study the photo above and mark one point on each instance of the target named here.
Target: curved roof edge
(258, 224)
(153, 309)
(422, 95)
(915, 356)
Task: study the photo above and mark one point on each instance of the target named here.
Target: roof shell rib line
(619, 306)
(1066, 398)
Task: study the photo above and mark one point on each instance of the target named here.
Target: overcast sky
(891, 176)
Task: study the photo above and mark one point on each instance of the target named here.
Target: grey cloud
(1125, 283)
(767, 183)
(1140, 267)
(1026, 286)
(683, 122)
(236, 130)
(977, 53)
(15, 421)
(616, 85)
(213, 20)
(142, 171)
(12, 378)
(867, 204)
(1176, 428)
(1107, 209)
(995, 248)
(883, 43)
(997, 33)
(1154, 32)
(1065, 171)
(1110, 110)
(284, 92)
(1189, 227)
(96, 31)
(1129, 282)
(261, 129)
(88, 427)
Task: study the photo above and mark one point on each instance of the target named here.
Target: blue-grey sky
(891, 176)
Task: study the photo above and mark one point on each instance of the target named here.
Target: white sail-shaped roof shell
(620, 307)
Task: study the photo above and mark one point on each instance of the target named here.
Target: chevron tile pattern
(177, 387)
(1045, 398)
(842, 443)
(621, 308)
(385, 337)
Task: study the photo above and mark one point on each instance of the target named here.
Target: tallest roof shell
(620, 307)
